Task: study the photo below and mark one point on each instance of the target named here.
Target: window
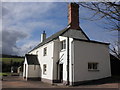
(45, 51)
(63, 44)
(92, 66)
(44, 69)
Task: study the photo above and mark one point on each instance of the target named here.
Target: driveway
(18, 82)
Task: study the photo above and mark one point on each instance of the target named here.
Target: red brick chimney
(73, 16)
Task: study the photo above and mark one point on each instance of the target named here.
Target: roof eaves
(84, 33)
(92, 41)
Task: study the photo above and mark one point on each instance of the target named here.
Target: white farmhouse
(68, 56)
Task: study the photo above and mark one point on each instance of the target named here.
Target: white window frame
(63, 45)
(45, 51)
(93, 66)
(44, 69)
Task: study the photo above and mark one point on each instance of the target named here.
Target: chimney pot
(43, 36)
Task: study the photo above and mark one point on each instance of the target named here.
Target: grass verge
(5, 74)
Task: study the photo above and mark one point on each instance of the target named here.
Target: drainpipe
(57, 70)
(72, 47)
(67, 61)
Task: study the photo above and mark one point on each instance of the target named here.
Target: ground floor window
(92, 66)
(44, 69)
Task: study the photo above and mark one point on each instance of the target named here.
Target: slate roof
(32, 59)
(55, 36)
(61, 32)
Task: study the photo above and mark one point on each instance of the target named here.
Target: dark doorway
(61, 73)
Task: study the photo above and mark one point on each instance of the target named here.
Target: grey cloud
(21, 11)
(5, 11)
(28, 46)
(9, 40)
(16, 25)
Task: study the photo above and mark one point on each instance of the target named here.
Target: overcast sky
(23, 22)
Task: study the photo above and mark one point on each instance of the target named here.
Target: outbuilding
(31, 67)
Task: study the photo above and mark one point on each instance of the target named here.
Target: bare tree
(107, 10)
(115, 49)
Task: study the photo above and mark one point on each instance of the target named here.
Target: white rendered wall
(71, 60)
(64, 59)
(85, 52)
(48, 59)
(25, 63)
(26, 71)
(54, 54)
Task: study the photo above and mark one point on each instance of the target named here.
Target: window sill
(93, 70)
(63, 50)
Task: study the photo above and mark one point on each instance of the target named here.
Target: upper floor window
(63, 44)
(92, 66)
(45, 51)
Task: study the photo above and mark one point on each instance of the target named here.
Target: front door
(61, 73)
